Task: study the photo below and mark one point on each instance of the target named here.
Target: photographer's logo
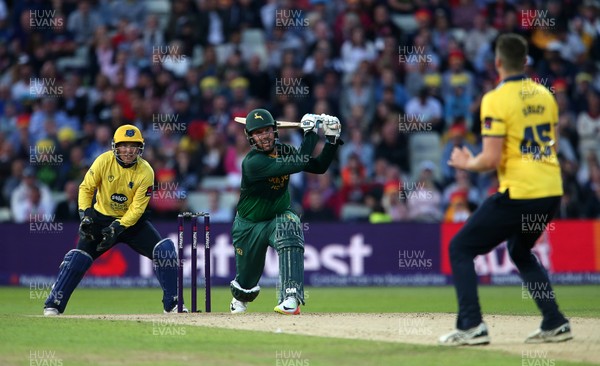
(414, 54)
(285, 18)
(537, 18)
(408, 123)
(167, 122)
(44, 224)
(45, 19)
(44, 358)
(167, 54)
(291, 87)
(44, 87)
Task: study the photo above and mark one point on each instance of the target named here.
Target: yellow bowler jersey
(525, 113)
(122, 193)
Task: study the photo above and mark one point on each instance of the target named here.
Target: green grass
(96, 342)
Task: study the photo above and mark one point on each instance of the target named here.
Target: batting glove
(109, 235)
(85, 226)
(309, 122)
(332, 128)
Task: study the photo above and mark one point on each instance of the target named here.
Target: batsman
(264, 216)
(121, 182)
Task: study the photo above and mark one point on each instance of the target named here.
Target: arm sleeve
(492, 122)
(320, 164)
(261, 166)
(91, 181)
(140, 201)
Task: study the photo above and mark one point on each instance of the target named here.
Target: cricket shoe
(237, 306)
(51, 312)
(174, 310)
(470, 337)
(558, 334)
(289, 306)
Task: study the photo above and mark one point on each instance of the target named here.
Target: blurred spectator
(357, 49)
(458, 207)
(68, 208)
(588, 126)
(218, 213)
(30, 197)
(213, 153)
(592, 194)
(316, 210)
(392, 204)
(132, 10)
(462, 183)
(359, 147)
(48, 112)
(426, 109)
(480, 35)
(83, 21)
(423, 198)
(393, 146)
(456, 135)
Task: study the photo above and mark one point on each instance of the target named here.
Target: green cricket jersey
(265, 177)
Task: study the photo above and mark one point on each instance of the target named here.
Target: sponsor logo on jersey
(111, 178)
(118, 197)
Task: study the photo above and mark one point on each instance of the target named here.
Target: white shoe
(559, 334)
(289, 306)
(51, 312)
(174, 310)
(470, 337)
(238, 307)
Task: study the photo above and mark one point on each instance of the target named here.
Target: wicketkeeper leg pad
(243, 294)
(291, 273)
(165, 262)
(71, 271)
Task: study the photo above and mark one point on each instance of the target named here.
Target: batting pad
(291, 273)
(71, 271)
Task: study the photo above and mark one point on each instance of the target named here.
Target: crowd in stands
(406, 79)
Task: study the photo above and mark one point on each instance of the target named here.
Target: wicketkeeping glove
(332, 128)
(85, 226)
(109, 235)
(309, 122)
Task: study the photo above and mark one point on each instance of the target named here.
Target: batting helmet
(257, 119)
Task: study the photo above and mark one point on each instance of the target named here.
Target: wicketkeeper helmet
(127, 133)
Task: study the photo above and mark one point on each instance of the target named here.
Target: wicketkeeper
(264, 215)
(122, 182)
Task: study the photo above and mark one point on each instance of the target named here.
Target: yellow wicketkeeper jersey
(525, 113)
(122, 193)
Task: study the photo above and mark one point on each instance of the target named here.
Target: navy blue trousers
(520, 222)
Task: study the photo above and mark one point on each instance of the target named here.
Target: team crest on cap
(256, 115)
(129, 133)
